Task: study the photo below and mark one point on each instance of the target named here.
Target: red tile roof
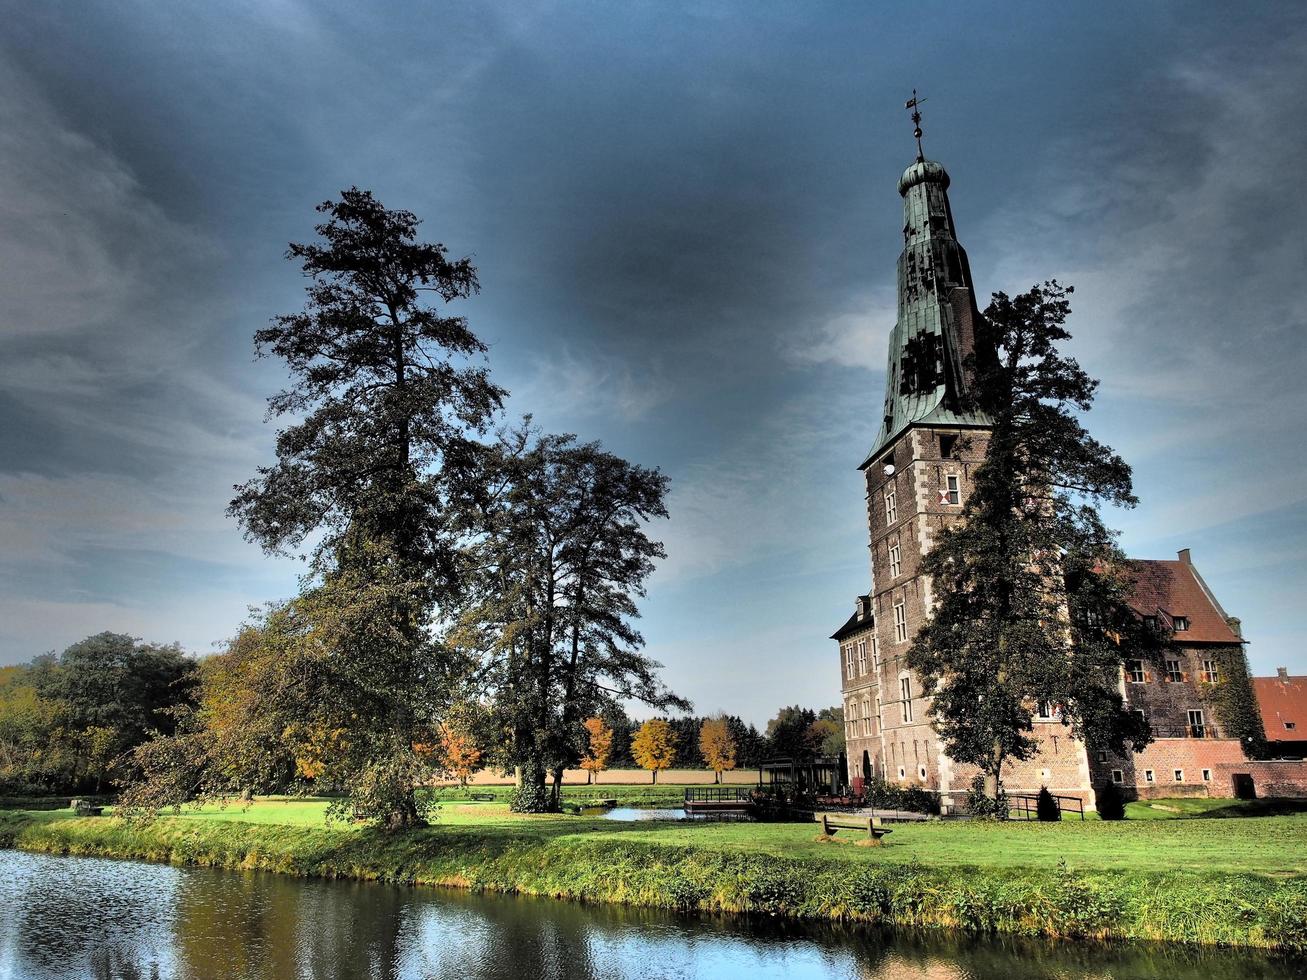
(1167, 589)
(1282, 699)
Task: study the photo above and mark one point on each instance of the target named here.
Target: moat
(86, 917)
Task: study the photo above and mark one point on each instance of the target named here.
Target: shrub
(530, 797)
(1047, 809)
(1111, 804)
(980, 805)
(884, 796)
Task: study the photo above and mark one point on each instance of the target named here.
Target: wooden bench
(483, 797)
(831, 822)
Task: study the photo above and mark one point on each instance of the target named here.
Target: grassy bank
(1236, 882)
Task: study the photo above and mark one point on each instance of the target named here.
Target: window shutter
(1184, 675)
(1148, 676)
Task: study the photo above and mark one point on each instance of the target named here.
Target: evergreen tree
(1031, 586)
(790, 733)
(384, 407)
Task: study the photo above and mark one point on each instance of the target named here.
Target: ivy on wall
(1235, 702)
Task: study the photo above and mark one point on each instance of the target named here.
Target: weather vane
(913, 104)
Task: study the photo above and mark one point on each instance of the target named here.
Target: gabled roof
(1170, 588)
(1282, 699)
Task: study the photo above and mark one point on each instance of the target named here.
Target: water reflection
(79, 917)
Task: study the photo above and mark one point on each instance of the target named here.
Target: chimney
(1282, 672)
(1184, 556)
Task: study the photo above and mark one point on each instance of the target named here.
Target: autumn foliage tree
(717, 745)
(459, 754)
(599, 746)
(654, 746)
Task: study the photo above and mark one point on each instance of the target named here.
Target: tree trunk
(654, 774)
(556, 793)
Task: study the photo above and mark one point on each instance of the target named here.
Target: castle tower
(917, 476)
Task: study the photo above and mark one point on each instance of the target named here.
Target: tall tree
(562, 555)
(384, 406)
(717, 745)
(654, 746)
(1032, 587)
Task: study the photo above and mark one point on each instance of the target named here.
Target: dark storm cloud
(685, 223)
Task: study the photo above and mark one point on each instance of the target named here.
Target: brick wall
(1162, 758)
(1278, 777)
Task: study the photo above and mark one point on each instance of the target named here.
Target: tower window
(1118, 776)
(905, 698)
(862, 656)
(953, 491)
(895, 561)
(900, 622)
(891, 508)
(946, 446)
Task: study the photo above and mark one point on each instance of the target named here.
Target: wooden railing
(1027, 804)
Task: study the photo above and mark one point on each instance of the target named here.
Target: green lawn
(1164, 841)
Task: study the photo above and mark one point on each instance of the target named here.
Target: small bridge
(718, 799)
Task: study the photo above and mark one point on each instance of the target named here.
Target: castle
(917, 477)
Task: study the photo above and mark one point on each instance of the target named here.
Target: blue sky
(685, 222)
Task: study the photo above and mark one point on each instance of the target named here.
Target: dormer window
(1181, 623)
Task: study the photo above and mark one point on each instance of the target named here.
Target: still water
(117, 920)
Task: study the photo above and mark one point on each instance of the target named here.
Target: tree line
(111, 709)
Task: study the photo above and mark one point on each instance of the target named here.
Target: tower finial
(913, 104)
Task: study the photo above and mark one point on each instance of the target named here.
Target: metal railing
(1186, 731)
(718, 794)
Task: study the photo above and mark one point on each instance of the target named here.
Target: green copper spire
(937, 314)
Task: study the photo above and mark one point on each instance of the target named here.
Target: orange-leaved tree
(654, 746)
(595, 759)
(717, 745)
(460, 755)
